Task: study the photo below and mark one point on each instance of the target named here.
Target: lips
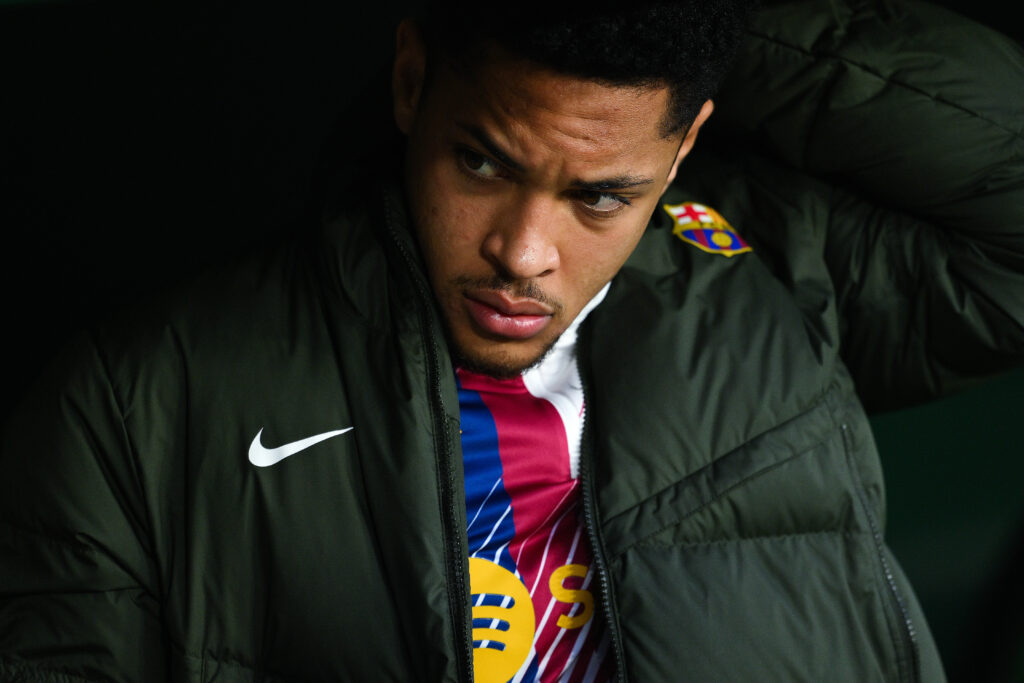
(503, 316)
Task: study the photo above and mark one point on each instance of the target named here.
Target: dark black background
(140, 142)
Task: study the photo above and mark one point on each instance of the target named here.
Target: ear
(689, 139)
(408, 74)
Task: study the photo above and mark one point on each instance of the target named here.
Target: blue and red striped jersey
(533, 591)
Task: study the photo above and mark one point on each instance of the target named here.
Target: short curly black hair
(686, 45)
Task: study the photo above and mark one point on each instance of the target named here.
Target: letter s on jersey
(570, 595)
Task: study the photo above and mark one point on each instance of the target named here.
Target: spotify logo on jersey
(504, 622)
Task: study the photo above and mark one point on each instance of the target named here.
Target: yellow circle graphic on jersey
(503, 625)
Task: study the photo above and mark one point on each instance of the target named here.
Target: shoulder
(238, 328)
(263, 299)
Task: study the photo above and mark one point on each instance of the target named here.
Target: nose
(522, 242)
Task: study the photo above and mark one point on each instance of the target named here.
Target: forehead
(523, 101)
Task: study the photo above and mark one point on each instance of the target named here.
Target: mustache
(522, 289)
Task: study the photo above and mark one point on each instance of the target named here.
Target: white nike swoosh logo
(262, 456)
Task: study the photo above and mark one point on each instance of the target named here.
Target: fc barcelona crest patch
(704, 228)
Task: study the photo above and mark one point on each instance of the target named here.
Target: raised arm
(909, 128)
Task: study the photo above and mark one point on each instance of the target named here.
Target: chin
(497, 362)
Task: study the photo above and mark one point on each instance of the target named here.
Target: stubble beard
(502, 365)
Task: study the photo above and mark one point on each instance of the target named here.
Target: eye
(602, 203)
(478, 164)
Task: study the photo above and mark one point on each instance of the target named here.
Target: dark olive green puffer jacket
(732, 491)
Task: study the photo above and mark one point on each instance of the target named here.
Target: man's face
(528, 190)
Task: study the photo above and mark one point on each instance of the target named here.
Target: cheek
(449, 240)
(450, 243)
(462, 224)
(604, 254)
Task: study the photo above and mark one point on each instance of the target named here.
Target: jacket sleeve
(78, 590)
(915, 120)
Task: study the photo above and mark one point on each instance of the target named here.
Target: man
(528, 188)
(529, 412)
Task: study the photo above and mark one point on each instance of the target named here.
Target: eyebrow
(620, 182)
(491, 146)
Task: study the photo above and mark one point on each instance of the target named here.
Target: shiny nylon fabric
(913, 281)
(223, 570)
(738, 493)
(905, 133)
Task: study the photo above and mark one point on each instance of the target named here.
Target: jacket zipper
(458, 596)
(589, 522)
(908, 642)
